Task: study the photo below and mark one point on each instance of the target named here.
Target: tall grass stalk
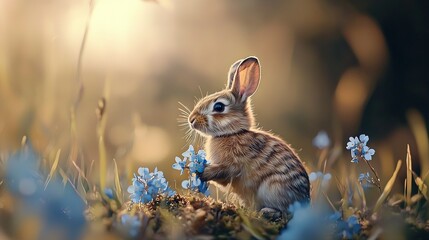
(53, 168)
(409, 165)
(388, 187)
(418, 127)
(118, 188)
(101, 127)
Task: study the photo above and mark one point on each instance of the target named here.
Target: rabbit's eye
(218, 107)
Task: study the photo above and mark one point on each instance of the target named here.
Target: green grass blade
(388, 187)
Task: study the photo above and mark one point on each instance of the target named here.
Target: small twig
(329, 201)
(377, 183)
(82, 46)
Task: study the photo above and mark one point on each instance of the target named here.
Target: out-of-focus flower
(62, 209)
(324, 178)
(364, 177)
(59, 207)
(130, 224)
(366, 180)
(305, 224)
(335, 216)
(23, 177)
(359, 149)
(345, 229)
(146, 186)
(321, 140)
(109, 193)
(348, 229)
(195, 163)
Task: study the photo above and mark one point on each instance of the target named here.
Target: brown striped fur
(263, 170)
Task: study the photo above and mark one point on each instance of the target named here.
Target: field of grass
(42, 197)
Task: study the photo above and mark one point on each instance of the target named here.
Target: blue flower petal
(321, 140)
(363, 139)
(185, 184)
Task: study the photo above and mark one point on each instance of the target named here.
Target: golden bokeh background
(326, 65)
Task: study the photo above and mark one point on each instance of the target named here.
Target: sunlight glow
(119, 30)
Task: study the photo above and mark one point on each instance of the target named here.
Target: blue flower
(62, 208)
(321, 140)
(196, 165)
(180, 164)
(56, 205)
(335, 216)
(366, 180)
(157, 174)
(359, 149)
(189, 153)
(368, 153)
(353, 143)
(345, 229)
(204, 188)
(23, 177)
(131, 224)
(192, 183)
(144, 173)
(146, 186)
(348, 229)
(363, 139)
(364, 177)
(305, 223)
(109, 193)
(198, 162)
(325, 178)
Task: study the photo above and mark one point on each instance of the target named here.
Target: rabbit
(263, 170)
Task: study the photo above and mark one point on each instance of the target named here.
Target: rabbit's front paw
(206, 175)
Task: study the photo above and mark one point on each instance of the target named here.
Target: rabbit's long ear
(246, 78)
(231, 73)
